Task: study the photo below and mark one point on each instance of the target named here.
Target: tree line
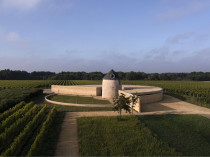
(46, 75)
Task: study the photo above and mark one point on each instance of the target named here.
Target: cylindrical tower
(110, 85)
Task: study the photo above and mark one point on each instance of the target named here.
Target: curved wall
(72, 104)
(110, 88)
(144, 99)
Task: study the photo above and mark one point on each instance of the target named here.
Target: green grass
(160, 135)
(64, 108)
(106, 136)
(189, 134)
(78, 99)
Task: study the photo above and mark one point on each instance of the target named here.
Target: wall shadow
(155, 107)
(169, 99)
(158, 106)
(40, 99)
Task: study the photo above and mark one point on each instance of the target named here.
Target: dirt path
(171, 105)
(68, 142)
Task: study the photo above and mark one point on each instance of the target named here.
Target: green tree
(133, 100)
(121, 103)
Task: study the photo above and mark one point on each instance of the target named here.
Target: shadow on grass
(155, 107)
(40, 99)
(122, 119)
(63, 108)
(177, 96)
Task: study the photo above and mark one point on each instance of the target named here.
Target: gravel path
(68, 141)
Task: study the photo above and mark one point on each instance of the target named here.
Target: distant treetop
(8, 74)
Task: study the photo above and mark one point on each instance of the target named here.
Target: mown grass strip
(64, 108)
(78, 99)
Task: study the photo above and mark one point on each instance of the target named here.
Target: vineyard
(191, 91)
(194, 92)
(5, 84)
(12, 96)
(23, 129)
(27, 129)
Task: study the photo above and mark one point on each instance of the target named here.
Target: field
(27, 128)
(195, 92)
(4, 84)
(63, 108)
(78, 99)
(14, 91)
(12, 96)
(165, 135)
(189, 134)
(23, 129)
(191, 91)
(30, 129)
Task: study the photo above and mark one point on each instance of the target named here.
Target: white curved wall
(77, 90)
(144, 99)
(110, 89)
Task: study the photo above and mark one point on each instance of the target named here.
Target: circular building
(111, 85)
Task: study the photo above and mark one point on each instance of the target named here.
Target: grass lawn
(106, 136)
(64, 108)
(189, 134)
(160, 135)
(78, 99)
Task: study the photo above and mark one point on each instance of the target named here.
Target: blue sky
(99, 35)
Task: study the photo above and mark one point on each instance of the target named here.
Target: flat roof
(141, 90)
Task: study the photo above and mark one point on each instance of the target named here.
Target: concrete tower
(110, 85)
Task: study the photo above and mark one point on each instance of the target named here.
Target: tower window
(112, 76)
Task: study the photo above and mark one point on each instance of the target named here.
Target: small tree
(122, 103)
(133, 100)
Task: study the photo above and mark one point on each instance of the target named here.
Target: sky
(152, 36)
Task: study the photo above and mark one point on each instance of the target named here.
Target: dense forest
(43, 75)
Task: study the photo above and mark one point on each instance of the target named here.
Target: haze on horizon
(99, 35)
